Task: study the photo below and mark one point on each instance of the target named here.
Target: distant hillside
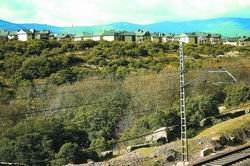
(225, 26)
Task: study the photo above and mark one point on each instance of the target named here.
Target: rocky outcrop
(158, 136)
(134, 147)
(106, 154)
(220, 141)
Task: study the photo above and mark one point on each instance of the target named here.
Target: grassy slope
(227, 128)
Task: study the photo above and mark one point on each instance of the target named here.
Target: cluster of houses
(25, 35)
(137, 36)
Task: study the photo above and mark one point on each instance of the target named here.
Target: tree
(237, 93)
(35, 47)
(100, 142)
(36, 141)
(63, 76)
(83, 45)
(68, 153)
(12, 64)
(102, 119)
(201, 107)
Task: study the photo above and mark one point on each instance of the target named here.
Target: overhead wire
(77, 91)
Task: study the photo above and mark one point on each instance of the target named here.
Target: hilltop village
(137, 36)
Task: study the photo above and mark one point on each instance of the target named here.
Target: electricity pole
(184, 142)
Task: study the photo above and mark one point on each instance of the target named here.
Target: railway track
(239, 156)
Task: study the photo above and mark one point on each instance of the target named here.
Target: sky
(94, 12)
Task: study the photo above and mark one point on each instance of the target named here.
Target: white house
(83, 36)
(97, 37)
(244, 41)
(203, 38)
(110, 35)
(24, 35)
(108, 38)
(78, 37)
(42, 35)
(215, 38)
(168, 38)
(188, 38)
(184, 38)
(87, 36)
(62, 37)
(231, 41)
(156, 37)
(142, 36)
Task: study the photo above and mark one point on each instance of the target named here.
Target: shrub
(195, 55)
(69, 153)
(237, 93)
(63, 76)
(36, 141)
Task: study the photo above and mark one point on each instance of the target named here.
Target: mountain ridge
(227, 26)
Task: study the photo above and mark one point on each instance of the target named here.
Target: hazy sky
(91, 12)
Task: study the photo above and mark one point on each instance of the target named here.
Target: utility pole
(184, 142)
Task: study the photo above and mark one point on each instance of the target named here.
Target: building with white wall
(231, 41)
(188, 38)
(215, 38)
(24, 35)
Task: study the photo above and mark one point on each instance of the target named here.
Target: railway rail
(239, 156)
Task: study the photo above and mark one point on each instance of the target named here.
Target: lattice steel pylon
(184, 141)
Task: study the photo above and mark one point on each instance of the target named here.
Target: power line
(114, 143)
(77, 91)
(133, 76)
(80, 105)
(131, 138)
(133, 113)
(89, 103)
(73, 91)
(111, 79)
(144, 94)
(143, 135)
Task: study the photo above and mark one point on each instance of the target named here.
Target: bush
(237, 93)
(100, 120)
(36, 141)
(195, 55)
(201, 107)
(69, 153)
(62, 77)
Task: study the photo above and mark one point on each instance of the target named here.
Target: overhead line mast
(184, 142)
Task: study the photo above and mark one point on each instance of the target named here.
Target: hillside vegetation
(64, 102)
